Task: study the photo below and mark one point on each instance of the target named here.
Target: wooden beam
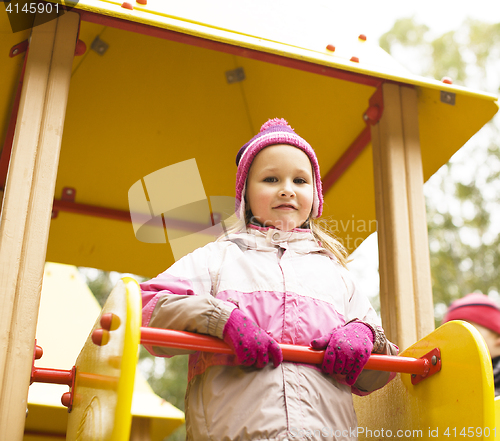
(422, 284)
(27, 208)
(405, 294)
(141, 429)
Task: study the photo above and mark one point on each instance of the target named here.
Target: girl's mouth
(285, 207)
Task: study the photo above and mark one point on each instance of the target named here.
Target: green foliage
(406, 32)
(168, 379)
(448, 58)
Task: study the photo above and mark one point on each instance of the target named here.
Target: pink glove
(251, 344)
(347, 350)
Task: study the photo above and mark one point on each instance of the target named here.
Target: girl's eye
(299, 181)
(271, 179)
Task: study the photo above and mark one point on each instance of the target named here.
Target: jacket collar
(300, 240)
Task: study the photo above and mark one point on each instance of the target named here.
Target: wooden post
(405, 284)
(26, 213)
(141, 429)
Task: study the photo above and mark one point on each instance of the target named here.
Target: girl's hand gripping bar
(420, 368)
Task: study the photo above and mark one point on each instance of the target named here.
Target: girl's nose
(287, 190)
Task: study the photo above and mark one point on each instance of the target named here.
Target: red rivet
(66, 399)
(38, 352)
(127, 5)
(355, 59)
(362, 37)
(331, 48)
(100, 337)
(142, 2)
(80, 48)
(447, 80)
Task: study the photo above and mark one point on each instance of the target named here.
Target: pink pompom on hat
(275, 131)
(477, 308)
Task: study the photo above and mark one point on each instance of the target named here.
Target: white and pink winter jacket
(296, 291)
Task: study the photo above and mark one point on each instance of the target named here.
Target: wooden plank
(388, 312)
(27, 293)
(392, 213)
(141, 429)
(422, 285)
(18, 187)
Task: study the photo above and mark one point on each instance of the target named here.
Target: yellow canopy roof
(167, 82)
(67, 314)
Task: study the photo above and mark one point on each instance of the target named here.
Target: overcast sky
(374, 18)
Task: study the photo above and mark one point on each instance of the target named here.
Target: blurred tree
(463, 197)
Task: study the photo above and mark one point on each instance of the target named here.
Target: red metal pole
(54, 376)
(297, 354)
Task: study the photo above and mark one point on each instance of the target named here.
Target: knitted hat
(476, 308)
(274, 131)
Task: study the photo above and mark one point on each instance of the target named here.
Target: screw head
(434, 360)
(15, 51)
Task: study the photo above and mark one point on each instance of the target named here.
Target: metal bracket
(68, 195)
(19, 48)
(448, 97)
(99, 46)
(433, 365)
(235, 75)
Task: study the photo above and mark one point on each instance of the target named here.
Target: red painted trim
(372, 116)
(38, 433)
(11, 129)
(347, 159)
(179, 37)
(121, 215)
(91, 210)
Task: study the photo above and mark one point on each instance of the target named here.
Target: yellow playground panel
(105, 373)
(112, 92)
(68, 311)
(457, 402)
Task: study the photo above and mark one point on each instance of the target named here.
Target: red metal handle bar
(298, 354)
(54, 376)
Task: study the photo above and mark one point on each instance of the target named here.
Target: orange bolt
(100, 337)
(355, 59)
(127, 5)
(66, 399)
(142, 2)
(331, 48)
(362, 37)
(447, 80)
(110, 321)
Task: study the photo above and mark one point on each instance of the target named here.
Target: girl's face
(280, 187)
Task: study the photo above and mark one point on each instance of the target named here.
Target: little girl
(275, 277)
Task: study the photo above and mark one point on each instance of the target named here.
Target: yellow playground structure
(99, 96)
